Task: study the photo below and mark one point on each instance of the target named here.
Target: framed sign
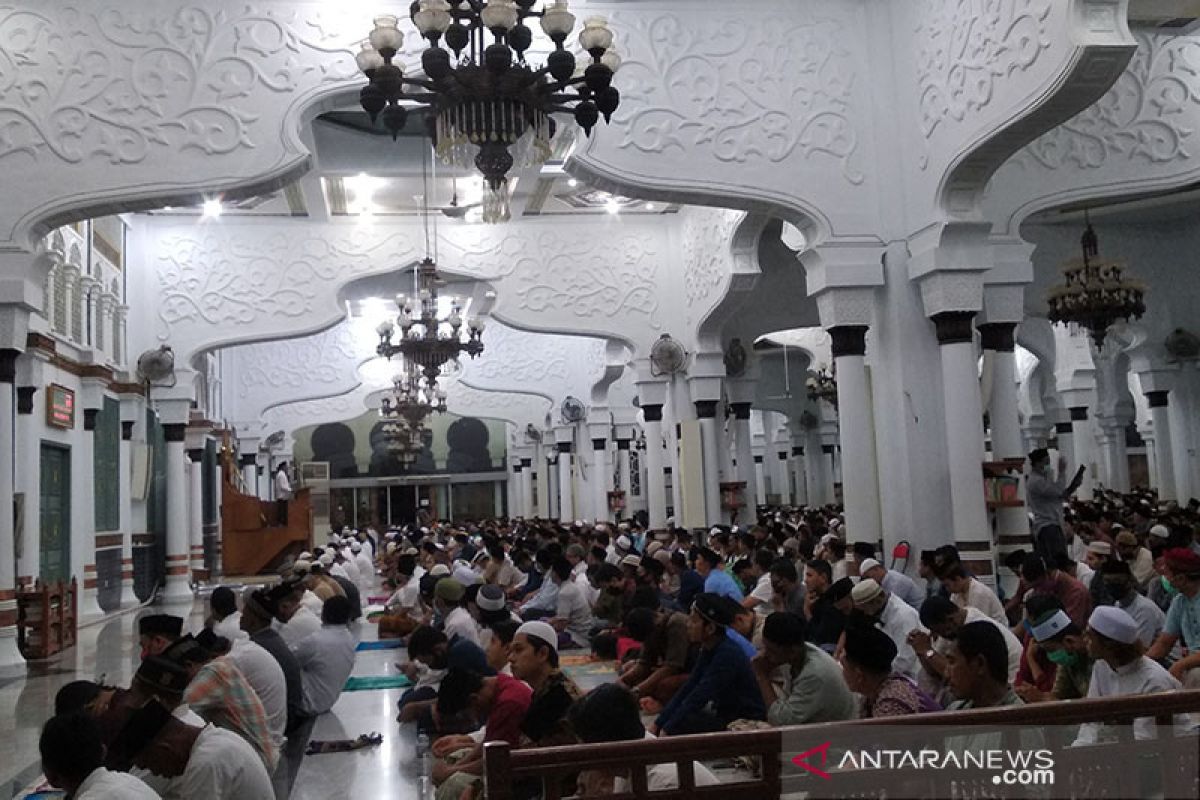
(60, 406)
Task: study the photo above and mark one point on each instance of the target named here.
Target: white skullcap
(410, 551)
(630, 561)
(392, 547)
(714, 531)
(834, 524)
(326, 559)
(301, 565)
(1052, 626)
(1115, 623)
(1100, 548)
(439, 571)
(542, 630)
(865, 591)
(578, 523)
(305, 556)
(653, 548)
(1160, 531)
(624, 542)
(490, 598)
(355, 547)
(465, 575)
(868, 564)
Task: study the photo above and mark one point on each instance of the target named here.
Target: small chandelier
(403, 442)
(490, 107)
(1095, 293)
(822, 385)
(427, 341)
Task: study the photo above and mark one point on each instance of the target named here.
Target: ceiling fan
(456, 210)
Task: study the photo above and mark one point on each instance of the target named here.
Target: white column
(1116, 454)
(563, 438)
(813, 467)
(10, 656)
(1012, 524)
(760, 482)
(527, 487)
(829, 467)
(543, 481)
(125, 499)
(83, 538)
(624, 471)
(195, 470)
(177, 589)
(555, 510)
(1082, 441)
(799, 489)
(29, 479)
(249, 464)
(856, 429)
(656, 487)
(743, 442)
(514, 494)
(1064, 433)
(964, 441)
(1163, 454)
(601, 478)
(706, 412)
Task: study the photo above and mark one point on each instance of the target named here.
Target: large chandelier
(490, 107)
(404, 415)
(426, 340)
(1095, 293)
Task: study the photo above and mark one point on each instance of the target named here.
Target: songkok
(440, 571)
(490, 598)
(1114, 623)
(1126, 538)
(624, 542)
(867, 565)
(1182, 559)
(710, 607)
(542, 630)
(449, 590)
(1160, 531)
(1100, 548)
(865, 591)
(630, 561)
(160, 625)
(1050, 625)
(163, 674)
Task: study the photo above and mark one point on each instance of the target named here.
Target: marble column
(813, 467)
(760, 482)
(999, 345)
(249, 464)
(856, 428)
(125, 505)
(552, 488)
(656, 487)
(829, 463)
(799, 488)
(963, 410)
(515, 495)
(29, 453)
(601, 478)
(624, 474)
(527, 487)
(10, 656)
(177, 589)
(1114, 453)
(743, 442)
(1163, 454)
(1082, 440)
(544, 493)
(706, 413)
(566, 500)
(83, 545)
(195, 469)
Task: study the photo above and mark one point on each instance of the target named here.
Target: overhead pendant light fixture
(491, 108)
(1094, 293)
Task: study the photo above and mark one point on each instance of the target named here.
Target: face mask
(1167, 587)
(1063, 658)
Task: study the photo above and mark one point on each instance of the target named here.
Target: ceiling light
(572, 183)
(651, 207)
(212, 208)
(612, 206)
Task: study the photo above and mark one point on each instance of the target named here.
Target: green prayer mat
(370, 682)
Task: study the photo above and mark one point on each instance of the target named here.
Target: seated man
(501, 700)
(944, 619)
(1120, 669)
(157, 631)
(892, 616)
(666, 656)
(1181, 569)
(186, 762)
(716, 580)
(1122, 587)
(892, 581)
(326, 657)
(867, 668)
(1063, 643)
(402, 612)
(609, 609)
(260, 608)
(73, 760)
(721, 687)
(609, 713)
(225, 620)
(968, 591)
(788, 592)
(296, 620)
(572, 616)
(978, 669)
(533, 656)
(813, 687)
(430, 647)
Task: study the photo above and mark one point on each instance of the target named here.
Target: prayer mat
(576, 659)
(374, 615)
(588, 668)
(371, 682)
(381, 644)
(317, 746)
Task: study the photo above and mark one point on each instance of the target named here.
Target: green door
(56, 513)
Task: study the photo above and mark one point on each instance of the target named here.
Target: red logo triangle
(802, 760)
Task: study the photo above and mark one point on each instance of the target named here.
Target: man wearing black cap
(259, 608)
(721, 687)
(157, 631)
(1045, 495)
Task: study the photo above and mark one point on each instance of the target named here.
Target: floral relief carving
(707, 258)
(86, 82)
(739, 88)
(1141, 119)
(513, 357)
(520, 409)
(327, 359)
(966, 48)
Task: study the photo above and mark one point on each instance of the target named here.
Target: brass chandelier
(1095, 293)
(405, 412)
(490, 107)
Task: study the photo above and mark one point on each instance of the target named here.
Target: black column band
(127, 429)
(175, 431)
(599, 444)
(783, 455)
(827, 449)
(624, 444)
(758, 459)
(1078, 413)
(1157, 399)
(195, 455)
(25, 399)
(798, 451)
(8, 365)
(526, 463)
(89, 418)
(848, 340)
(706, 409)
(562, 447)
(1064, 428)
(652, 413)
(954, 327)
(740, 410)
(998, 336)
(247, 460)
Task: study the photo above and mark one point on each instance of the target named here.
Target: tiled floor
(110, 648)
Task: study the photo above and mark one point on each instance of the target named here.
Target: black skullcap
(186, 650)
(160, 625)
(711, 607)
(1039, 455)
(840, 589)
(870, 648)
(75, 696)
(162, 675)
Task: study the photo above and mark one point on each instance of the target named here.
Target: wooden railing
(1110, 769)
(251, 541)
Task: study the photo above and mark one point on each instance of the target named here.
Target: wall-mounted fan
(572, 410)
(273, 441)
(667, 356)
(532, 434)
(157, 367)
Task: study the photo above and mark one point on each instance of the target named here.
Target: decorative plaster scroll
(550, 365)
(519, 409)
(707, 259)
(294, 364)
(93, 82)
(965, 48)
(759, 87)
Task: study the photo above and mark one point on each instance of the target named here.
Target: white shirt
(1083, 573)
(304, 623)
(573, 607)
(265, 677)
(105, 785)
(283, 486)
(1148, 616)
(661, 777)
(1142, 566)
(903, 587)
(340, 569)
(590, 593)
(326, 660)
(1011, 642)
(313, 603)
(764, 594)
(508, 576)
(231, 628)
(406, 598)
(366, 568)
(351, 570)
(897, 621)
(981, 597)
(459, 623)
(1141, 676)
(222, 765)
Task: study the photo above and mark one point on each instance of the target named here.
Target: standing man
(283, 493)
(1045, 495)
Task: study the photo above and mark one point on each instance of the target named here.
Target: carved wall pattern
(966, 48)
(728, 87)
(519, 409)
(91, 81)
(707, 260)
(519, 361)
